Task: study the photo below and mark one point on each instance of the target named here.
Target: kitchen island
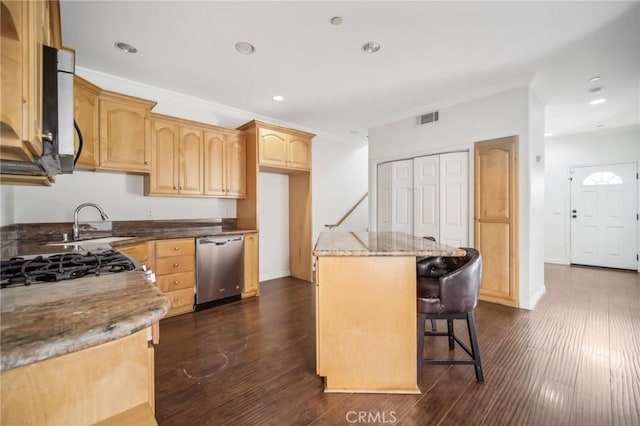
(366, 331)
(79, 351)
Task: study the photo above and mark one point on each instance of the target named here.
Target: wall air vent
(427, 118)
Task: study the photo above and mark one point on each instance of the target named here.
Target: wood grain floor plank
(551, 405)
(573, 360)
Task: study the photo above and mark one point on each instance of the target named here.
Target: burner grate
(67, 266)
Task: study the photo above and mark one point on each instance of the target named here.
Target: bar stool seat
(449, 296)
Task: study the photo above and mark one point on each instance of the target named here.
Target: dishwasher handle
(219, 241)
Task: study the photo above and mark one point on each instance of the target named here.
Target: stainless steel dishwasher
(219, 269)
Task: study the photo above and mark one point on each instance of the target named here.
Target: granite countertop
(27, 247)
(46, 320)
(341, 243)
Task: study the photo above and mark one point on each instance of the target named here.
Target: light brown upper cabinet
(177, 151)
(225, 163)
(275, 149)
(124, 133)
(190, 161)
(86, 114)
(284, 148)
(496, 221)
(26, 26)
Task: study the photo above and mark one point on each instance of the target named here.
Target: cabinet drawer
(175, 247)
(175, 264)
(167, 283)
(181, 298)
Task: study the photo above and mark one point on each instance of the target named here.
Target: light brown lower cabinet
(111, 383)
(251, 278)
(175, 273)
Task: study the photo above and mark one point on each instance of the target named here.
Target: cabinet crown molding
(271, 126)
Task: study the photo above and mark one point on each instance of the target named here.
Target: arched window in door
(602, 178)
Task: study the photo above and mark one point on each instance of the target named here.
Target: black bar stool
(450, 296)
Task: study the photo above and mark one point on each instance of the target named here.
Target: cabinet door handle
(175, 265)
(175, 282)
(176, 248)
(146, 163)
(175, 187)
(181, 187)
(175, 299)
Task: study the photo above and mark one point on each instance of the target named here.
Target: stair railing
(347, 214)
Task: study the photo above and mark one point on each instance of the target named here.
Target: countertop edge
(14, 356)
(417, 253)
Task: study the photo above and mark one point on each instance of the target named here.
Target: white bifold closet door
(395, 196)
(426, 196)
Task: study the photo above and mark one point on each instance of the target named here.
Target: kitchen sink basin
(103, 240)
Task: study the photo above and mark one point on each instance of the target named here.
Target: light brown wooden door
(191, 161)
(214, 178)
(164, 146)
(236, 164)
(496, 218)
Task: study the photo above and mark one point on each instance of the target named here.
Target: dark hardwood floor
(573, 360)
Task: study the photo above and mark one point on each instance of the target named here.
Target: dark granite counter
(43, 321)
(32, 239)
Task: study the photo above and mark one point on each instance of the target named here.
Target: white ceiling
(433, 54)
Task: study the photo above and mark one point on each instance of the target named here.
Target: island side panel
(366, 324)
(80, 388)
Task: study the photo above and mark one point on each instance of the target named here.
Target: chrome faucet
(76, 228)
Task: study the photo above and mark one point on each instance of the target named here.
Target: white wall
(6, 205)
(602, 147)
(512, 112)
(535, 206)
(339, 177)
(273, 217)
(120, 195)
(339, 180)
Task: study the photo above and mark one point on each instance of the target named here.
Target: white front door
(604, 215)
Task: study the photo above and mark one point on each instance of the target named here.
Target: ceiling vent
(427, 118)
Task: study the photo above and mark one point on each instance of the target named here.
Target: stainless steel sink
(103, 240)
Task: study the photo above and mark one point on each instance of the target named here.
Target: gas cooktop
(43, 269)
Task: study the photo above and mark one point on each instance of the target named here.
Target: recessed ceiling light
(595, 91)
(125, 47)
(598, 101)
(371, 47)
(278, 98)
(599, 126)
(336, 20)
(245, 48)
(594, 78)
(354, 132)
(546, 135)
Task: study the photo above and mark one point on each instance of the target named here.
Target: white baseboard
(533, 301)
(556, 261)
(272, 275)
